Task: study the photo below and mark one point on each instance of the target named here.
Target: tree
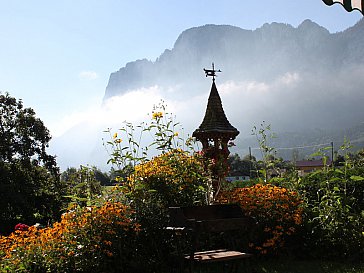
(23, 136)
(238, 165)
(30, 189)
(83, 184)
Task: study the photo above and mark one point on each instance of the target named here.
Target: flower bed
(277, 211)
(85, 239)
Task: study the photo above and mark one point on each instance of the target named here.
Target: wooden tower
(215, 131)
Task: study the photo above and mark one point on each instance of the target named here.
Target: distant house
(237, 176)
(306, 166)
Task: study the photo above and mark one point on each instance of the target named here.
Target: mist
(290, 102)
(296, 79)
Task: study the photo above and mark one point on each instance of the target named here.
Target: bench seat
(218, 255)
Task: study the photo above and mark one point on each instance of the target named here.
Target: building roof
(312, 163)
(215, 121)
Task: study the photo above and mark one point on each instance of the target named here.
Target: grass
(281, 265)
(305, 266)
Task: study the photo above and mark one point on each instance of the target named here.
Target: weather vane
(211, 72)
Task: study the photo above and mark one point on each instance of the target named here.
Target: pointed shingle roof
(215, 122)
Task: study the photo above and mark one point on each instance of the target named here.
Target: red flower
(21, 227)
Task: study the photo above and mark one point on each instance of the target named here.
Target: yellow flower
(176, 134)
(115, 135)
(157, 115)
(118, 140)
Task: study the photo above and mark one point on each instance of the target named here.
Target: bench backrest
(216, 217)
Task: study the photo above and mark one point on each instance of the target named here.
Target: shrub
(335, 208)
(172, 178)
(86, 239)
(335, 213)
(30, 190)
(82, 187)
(175, 177)
(277, 211)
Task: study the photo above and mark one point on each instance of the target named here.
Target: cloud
(88, 75)
(289, 78)
(288, 102)
(83, 131)
(78, 136)
(131, 107)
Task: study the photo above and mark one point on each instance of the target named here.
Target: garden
(313, 223)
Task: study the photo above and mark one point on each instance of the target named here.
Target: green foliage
(170, 179)
(334, 201)
(284, 265)
(175, 177)
(128, 148)
(30, 190)
(277, 212)
(28, 195)
(82, 185)
(335, 210)
(270, 165)
(89, 239)
(23, 136)
(241, 166)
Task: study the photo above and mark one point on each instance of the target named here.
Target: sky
(57, 56)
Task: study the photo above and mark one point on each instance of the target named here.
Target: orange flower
(277, 210)
(72, 237)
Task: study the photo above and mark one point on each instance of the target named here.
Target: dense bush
(175, 177)
(82, 188)
(30, 190)
(335, 213)
(277, 211)
(28, 193)
(333, 217)
(172, 178)
(89, 239)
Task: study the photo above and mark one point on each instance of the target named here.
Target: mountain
(262, 55)
(305, 81)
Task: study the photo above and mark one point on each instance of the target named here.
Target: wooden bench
(195, 222)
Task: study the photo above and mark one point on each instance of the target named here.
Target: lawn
(280, 265)
(305, 266)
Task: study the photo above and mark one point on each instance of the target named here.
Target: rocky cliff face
(262, 55)
(302, 80)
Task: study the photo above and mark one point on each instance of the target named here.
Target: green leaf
(356, 178)
(75, 198)
(316, 154)
(335, 179)
(338, 171)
